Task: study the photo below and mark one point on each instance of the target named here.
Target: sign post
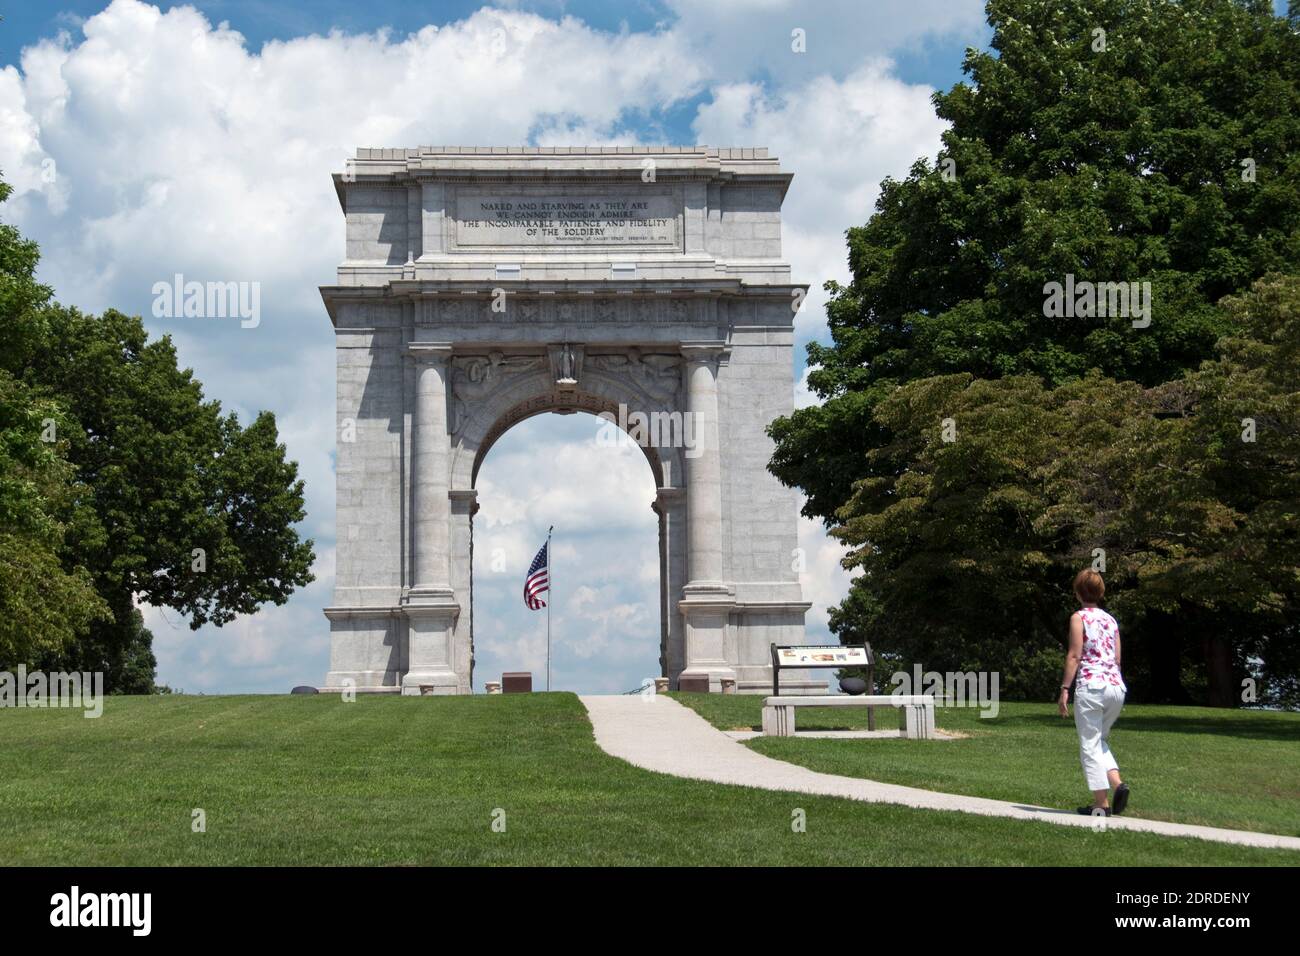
(807, 656)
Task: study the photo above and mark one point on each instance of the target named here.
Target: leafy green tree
(1120, 161)
(993, 492)
(1108, 141)
(22, 298)
(176, 505)
(192, 511)
(1213, 524)
(962, 531)
(44, 606)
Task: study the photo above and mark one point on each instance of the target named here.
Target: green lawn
(1225, 768)
(388, 780)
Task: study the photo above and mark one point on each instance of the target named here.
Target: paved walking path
(659, 734)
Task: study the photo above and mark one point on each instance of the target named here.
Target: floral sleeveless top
(1097, 663)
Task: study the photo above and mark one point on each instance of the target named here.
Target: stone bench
(915, 719)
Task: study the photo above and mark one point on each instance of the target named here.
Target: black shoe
(1120, 800)
(1094, 811)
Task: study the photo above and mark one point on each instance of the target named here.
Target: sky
(148, 140)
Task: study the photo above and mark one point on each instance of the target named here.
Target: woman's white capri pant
(1095, 711)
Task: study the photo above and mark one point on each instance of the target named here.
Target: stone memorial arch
(482, 286)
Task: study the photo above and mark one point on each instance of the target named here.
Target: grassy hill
(386, 780)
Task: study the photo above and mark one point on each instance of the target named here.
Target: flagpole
(550, 585)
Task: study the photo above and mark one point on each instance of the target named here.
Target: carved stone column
(703, 466)
(707, 601)
(430, 605)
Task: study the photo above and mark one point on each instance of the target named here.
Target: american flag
(538, 580)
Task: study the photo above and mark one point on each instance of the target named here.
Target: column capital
(705, 352)
(429, 352)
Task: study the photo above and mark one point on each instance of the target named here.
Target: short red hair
(1089, 587)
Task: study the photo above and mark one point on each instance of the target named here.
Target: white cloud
(824, 580)
(803, 394)
(182, 150)
(22, 158)
(840, 138)
(179, 149)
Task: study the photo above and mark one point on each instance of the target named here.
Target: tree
(992, 493)
(176, 503)
(44, 606)
(1100, 141)
(1122, 163)
(1214, 523)
(962, 531)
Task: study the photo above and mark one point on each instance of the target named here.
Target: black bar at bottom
(383, 906)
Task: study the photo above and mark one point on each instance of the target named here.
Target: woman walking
(1093, 657)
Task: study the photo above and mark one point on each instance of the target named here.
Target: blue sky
(146, 140)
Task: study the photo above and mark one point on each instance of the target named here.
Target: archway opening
(596, 486)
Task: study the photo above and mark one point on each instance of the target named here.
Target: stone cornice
(676, 302)
(556, 164)
(408, 289)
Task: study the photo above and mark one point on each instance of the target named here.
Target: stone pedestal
(430, 621)
(707, 611)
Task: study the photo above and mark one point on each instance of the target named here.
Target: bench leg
(778, 721)
(916, 721)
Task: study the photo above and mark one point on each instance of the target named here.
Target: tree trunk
(1163, 639)
(1221, 684)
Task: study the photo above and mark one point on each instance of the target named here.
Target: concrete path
(659, 734)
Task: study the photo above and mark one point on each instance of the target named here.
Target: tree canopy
(975, 451)
(1115, 164)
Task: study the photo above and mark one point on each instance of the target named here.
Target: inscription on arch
(527, 217)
